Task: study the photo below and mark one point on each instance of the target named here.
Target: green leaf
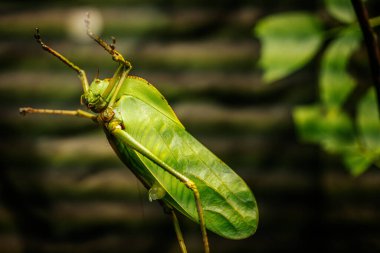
(288, 41)
(335, 83)
(357, 161)
(308, 123)
(368, 122)
(331, 128)
(367, 151)
(341, 10)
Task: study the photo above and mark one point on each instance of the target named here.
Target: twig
(370, 40)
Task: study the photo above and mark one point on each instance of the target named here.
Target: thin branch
(370, 40)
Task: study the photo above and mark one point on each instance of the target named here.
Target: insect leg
(170, 211)
(81, 73)
(78, 113)
(116, 56)
(123, 69)
(117, 131)
(178, 232)
(117, 81)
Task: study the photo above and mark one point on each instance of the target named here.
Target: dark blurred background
(62, 188)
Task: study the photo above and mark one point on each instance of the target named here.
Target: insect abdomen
(229, 206)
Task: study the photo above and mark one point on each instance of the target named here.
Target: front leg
(124, 65)
(81, 73)
(110, 48)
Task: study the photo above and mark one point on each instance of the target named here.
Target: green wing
(230, 209)
(143, 90)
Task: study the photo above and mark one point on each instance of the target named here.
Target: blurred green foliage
(291, 40)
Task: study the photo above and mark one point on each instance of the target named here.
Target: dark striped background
(62, 189)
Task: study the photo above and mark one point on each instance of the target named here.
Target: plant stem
(370, 40)
(375, 21)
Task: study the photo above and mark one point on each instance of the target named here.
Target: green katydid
(179, 171)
